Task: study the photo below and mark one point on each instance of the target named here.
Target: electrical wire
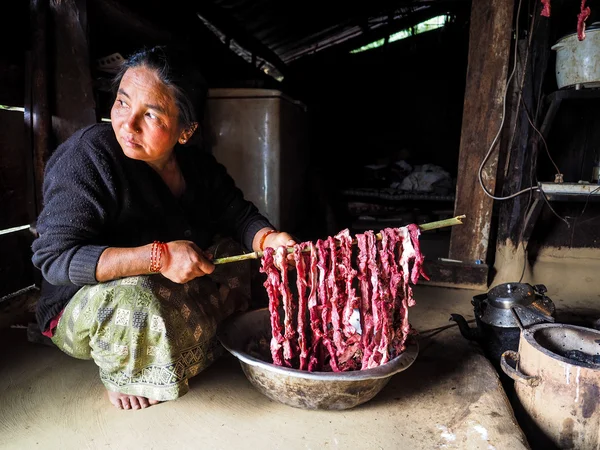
(492, 145)
(489, 152)
(552, 209)
(575, 219)
(541, 136)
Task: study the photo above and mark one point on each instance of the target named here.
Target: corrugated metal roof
(292, 30)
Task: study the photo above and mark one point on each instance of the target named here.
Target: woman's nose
(131, 124)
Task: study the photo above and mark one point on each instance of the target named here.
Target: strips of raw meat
(328, 280)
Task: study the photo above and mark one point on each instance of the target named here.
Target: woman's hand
(183, 261)
(275, 240)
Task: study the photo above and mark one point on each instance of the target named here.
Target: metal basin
(303, 389)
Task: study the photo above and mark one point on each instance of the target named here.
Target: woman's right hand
(183, 261)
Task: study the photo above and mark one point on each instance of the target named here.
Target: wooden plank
(15, 202)
(489, 47)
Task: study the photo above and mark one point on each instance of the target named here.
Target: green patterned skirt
(148, 334)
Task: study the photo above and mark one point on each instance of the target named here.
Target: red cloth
(53, 324)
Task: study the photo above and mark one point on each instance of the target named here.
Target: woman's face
(145, 119)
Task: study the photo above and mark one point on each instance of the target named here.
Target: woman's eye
(121, 103)
(150, 115)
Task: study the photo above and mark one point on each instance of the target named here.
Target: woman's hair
(174, 69)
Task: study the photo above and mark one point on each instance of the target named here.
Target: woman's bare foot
(124, 401)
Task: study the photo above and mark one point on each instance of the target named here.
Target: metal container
(299, 388)
(578, 62)
(498, 313)
(260, 136)
(558, 384)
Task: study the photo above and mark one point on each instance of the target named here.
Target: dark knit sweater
(95, 197)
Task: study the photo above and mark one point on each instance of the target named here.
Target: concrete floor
(449, 398)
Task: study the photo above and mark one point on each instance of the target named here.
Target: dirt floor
(449, 398)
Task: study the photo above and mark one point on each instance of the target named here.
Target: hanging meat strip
(368, 292)
(351, 357)
(289, 342)
(272, 286)
(581, 18)
(325, 265)
(302, 281)
(546, 9)
(386, 256)
(315, 359)
(326, 296)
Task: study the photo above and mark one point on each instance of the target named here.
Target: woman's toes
(153, 402)
(125, 402)
(143, 401)
(133, 401)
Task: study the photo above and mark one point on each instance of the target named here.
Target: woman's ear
(187, 133)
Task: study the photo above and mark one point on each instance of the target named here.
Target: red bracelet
(155, 256)
(262, 239)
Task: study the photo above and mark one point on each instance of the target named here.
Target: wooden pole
(489, 53)
(425, 227)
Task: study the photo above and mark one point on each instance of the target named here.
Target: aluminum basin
(303, 389)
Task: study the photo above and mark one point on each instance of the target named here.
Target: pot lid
(507, 295)
(505, 301)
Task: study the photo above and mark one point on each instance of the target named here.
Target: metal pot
(578, 62)
(501, 313)
(558, 382)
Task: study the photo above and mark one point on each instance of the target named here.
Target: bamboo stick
(424, 227)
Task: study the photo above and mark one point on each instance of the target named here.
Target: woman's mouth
(130, 142)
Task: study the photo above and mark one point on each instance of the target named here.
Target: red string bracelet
(262, 239)
(156, 255)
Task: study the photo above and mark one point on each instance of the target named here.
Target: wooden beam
(489, 50)
(455, 274)
(218, 17)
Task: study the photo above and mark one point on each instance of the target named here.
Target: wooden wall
(17, 201)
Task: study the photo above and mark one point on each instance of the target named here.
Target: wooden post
(489, 53)
(73, 94)
(523, 152)
(37, 109)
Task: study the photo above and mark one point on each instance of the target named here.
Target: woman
(128, 209)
